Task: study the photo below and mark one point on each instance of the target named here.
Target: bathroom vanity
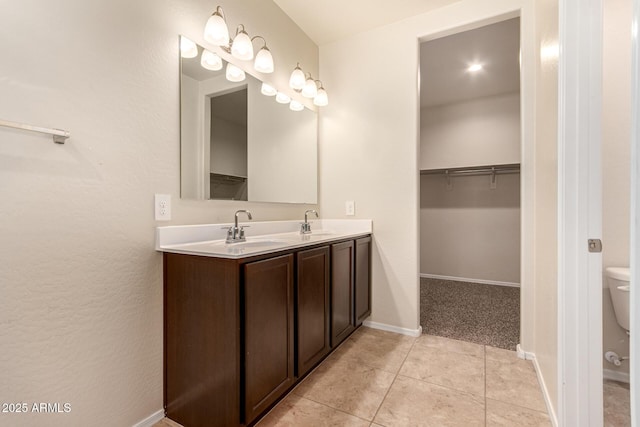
(244, 322)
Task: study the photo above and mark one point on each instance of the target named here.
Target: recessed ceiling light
(474, 68)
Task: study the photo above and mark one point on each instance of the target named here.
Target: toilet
(618, 281)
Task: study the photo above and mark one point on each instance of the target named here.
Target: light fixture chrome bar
(59, 135)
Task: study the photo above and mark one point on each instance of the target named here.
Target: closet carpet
(473, 312)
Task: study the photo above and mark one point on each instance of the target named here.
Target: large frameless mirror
(239, 144)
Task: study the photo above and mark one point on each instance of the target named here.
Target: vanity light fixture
(297, 79)
(282, 98)
(241, 46)
(188, 48)
(321, 98)
(310, 90)
(268, 90)
(216, 32)
(296, 106)
(210, 61)
(234, 74)
(264, 59)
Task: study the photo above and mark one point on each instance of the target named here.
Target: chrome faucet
(236, 233)
(305, 227)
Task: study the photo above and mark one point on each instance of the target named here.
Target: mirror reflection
(240, 144)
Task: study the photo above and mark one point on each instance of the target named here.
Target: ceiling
(325, 21)
(443, 61)
(444, 78)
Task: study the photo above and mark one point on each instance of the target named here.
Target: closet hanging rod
(59, 135)
(474, 170)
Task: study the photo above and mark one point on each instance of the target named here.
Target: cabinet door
(363, 280)
(342, 319)
(201, 340)
(313, 308)
(268, 332)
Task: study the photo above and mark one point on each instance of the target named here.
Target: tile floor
(617, 410)
(379, 378)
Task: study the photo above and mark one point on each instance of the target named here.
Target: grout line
(395, 377)
(326, 405)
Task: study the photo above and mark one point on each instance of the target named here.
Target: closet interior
(470, 185)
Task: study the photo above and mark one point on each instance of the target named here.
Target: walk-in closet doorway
(470, 189)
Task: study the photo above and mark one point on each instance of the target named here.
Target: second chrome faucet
(236, 233)
(305, 227)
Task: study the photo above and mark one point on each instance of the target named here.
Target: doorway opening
(470, 190)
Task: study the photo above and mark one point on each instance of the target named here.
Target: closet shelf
(474, 170)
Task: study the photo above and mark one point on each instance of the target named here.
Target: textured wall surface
(80, 283)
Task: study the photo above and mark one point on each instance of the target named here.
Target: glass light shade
(264, 61)
(210, 61)
(297, 79)
(234, 74)
(268, 90)
(188, 48)
(321, 98)
(310, 90)
(216, 31)
(296, 106)
(241, 47)
(282, 98)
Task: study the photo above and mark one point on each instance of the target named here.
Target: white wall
(616, 151)
(369, 154)
(228, 155)
(369, 140)
(543, 300)
(81, 305)
(483, 131)
(470, 231)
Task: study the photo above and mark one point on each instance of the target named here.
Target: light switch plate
(350, 207)
(163, 207)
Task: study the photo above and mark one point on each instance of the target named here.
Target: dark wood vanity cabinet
(239, 333)
(342, 276)
(362, 286)
(201, 340)
(313, 307)
(268, 333)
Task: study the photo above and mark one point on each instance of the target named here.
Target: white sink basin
(263, 237)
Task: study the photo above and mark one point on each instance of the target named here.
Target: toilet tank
(618, 281)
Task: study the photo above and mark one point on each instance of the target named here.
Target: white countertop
(261, 237)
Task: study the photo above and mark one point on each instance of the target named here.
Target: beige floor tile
(617, 410)
(379, 349)
(412, 402)
(449, 344)
(500, 414)
(295, 411)
(459, 371)
(350, 387)
(512, 380)
(501, 355)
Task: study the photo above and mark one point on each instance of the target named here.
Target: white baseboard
(391, 328)
(151, 419)
(466, 279)
(610, 374)
(545, 391)
(525, 355)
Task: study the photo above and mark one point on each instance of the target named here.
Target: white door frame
(635, 212)
(579, 214)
